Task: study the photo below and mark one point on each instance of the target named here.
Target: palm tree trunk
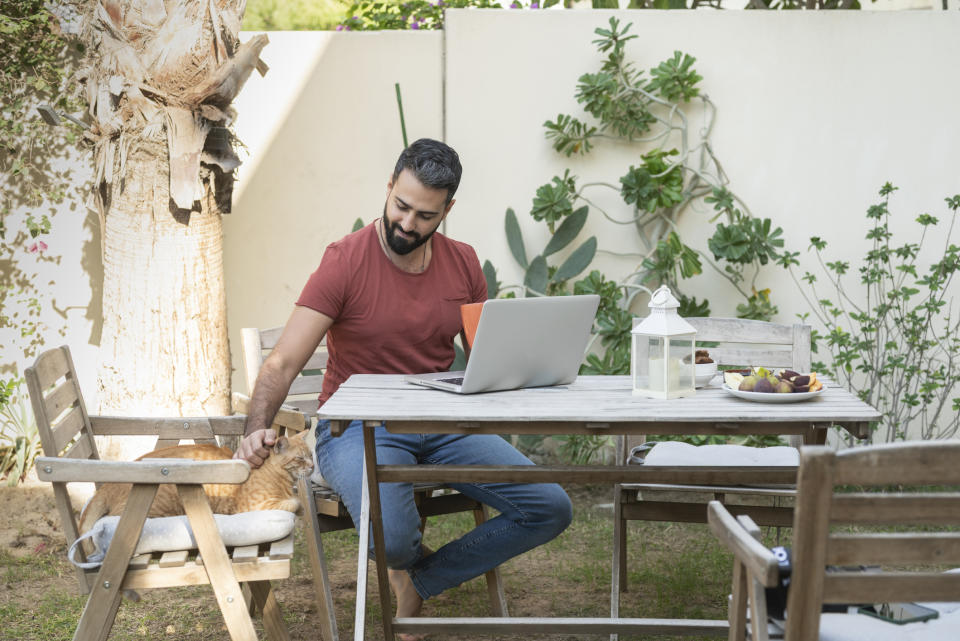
(164, 349)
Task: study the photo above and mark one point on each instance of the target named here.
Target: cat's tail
(95, 508)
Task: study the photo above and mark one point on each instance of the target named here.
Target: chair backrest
(926, 539)
(305, 388)
(744, 342)
(62, 421)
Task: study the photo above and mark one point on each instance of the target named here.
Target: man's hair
(434, 163)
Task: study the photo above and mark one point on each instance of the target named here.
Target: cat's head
(293, 454)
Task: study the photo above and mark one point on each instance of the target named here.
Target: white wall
(323, 134)
(816, 110)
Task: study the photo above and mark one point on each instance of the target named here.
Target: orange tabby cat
(270, 486)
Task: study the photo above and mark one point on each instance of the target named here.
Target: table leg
(816, 435)
(359, 622)
(376, 520)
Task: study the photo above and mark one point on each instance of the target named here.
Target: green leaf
(578, 261)
(358, 224)
(567, 231)
(515, 238)
(490, 274)
(536, 277)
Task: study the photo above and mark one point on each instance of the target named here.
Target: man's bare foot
(408, 601)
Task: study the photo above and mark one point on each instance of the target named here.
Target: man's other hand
(255, 446)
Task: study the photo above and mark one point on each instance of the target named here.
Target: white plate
(704, 380)
(773, 397)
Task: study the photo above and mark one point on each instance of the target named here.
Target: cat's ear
(282, 444)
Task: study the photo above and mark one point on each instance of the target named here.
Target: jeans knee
(401, 551)
(555, 513)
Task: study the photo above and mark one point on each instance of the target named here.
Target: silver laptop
(522, 342)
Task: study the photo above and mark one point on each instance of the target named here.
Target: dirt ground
(554, 580)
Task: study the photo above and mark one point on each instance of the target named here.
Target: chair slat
(874, 509)
(780, 358)
(168, 428)
(924, 463)
(865, 587)
(741, 330)
(269, 337)
(173, 559)
(867, 549)
(191, 573)
(63, 396)
(306, 385)
(244, 554)
(67, 429)
(318, 360)
(82, 450)
(282, 549)
(51, 366)
(140, 561)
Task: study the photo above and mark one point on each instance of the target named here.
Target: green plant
(582, 449)
(627, 104)
(35, 68)
(19, 437)
(899, 347)
(293, 15)
(375, 15)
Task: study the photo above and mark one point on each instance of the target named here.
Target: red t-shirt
(386, 320)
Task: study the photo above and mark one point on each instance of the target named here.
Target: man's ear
(447, 209)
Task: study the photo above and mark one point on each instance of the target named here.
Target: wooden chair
(323, 507)
(740, 343)
(67, 434)
(920, 533)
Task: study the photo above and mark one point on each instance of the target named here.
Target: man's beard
(398, 244)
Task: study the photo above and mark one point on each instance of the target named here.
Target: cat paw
(290, 505)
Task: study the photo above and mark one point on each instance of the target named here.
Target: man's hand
(255, 446)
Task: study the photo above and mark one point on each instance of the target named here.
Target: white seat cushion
(170, 533)
(857, 627)
(678, 453)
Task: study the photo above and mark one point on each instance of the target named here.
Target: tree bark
(161, 78)
(164, 349)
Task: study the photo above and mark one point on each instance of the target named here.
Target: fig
(801, 388)
(763, 386)
(748, 383)
(788, 374)
(784, 387)
(801, 380)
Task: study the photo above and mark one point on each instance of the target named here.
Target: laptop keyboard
(452, 381)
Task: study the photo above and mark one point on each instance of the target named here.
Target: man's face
(412, 213)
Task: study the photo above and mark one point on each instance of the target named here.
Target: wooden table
(600, 405)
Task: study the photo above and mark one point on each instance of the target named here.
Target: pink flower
(38, 246)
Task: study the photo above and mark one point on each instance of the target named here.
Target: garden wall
(816, 110)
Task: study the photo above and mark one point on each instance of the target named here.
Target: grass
(675, 571)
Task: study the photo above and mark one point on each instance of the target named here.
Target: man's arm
(303, 332)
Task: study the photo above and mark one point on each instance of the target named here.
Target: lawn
(676, 570)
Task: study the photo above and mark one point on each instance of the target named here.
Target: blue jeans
(530, 514)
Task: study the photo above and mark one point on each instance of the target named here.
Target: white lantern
(662, 354)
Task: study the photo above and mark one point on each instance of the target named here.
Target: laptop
(522, 342)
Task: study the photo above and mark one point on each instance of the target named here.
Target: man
(389, 295)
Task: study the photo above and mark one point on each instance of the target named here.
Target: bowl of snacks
(704, 369)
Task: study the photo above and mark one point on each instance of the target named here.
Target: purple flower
(514, 5)
(414, 25)
(534, 5)
(340, 27)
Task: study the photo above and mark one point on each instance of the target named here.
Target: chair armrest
(287, 417)
(760, 562)
(177, 471)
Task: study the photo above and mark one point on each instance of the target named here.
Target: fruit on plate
(764, 381)
(733, 379)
